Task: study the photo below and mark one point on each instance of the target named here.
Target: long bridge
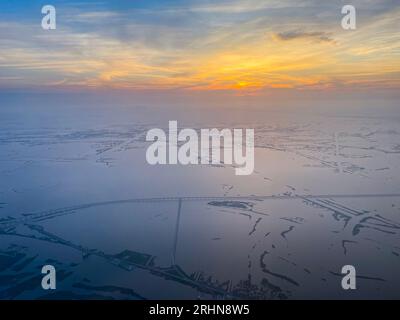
(27, 217)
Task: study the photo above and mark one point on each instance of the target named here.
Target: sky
(239, 47)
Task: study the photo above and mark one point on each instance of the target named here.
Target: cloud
(293, 35)
(212, 45)
(241, 6)
(93, 16)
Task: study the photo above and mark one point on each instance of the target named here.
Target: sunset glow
(238, 45)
